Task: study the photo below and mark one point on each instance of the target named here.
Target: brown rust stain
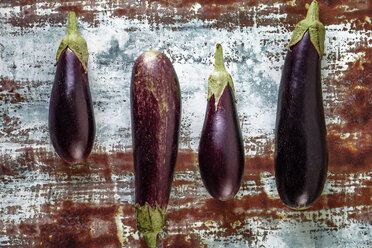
(71, 224)
(8, 92)
(357, 110)
(10, 124)
(227, 14)
(183, 240)
(8, 85)
(85, 15)
(80, 225)
(349, 154)
(350, 142)
(28, 229)
(333, 12)
(186, 161)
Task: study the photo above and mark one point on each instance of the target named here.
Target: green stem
(72, 27)
(219, 65)
(74, 41)
(219, 78)
(313, 11)
(312, 24)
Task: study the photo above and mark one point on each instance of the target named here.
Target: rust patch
(28, 229)
(227, 14)
(102, 163)
(122, 162)
(183, 240)
(81, 225)
(8, 92)
(350, 143)
(71, 224)
(10, 124)
(186, 160)
(349, 154)
(87, 16)
(333, 12)
(357, 110)
(8, 85)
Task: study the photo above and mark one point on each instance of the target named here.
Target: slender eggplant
(221, 150)
(71, 118)
(301, 155)
(156, 112)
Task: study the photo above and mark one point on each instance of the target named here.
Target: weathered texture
(45, 200)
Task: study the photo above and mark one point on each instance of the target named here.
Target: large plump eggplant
(301, 155)
(156, 112)
(71, 118)
(221, 150)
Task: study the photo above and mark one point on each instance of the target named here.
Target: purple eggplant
(156, 112)
(71, 118)
(301, 155)
(221, 150)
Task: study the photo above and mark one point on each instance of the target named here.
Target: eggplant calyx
(315, 27)
(74, 41)
(219, 78)
(150, 222)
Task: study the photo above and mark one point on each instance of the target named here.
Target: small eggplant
(301, 155)
(221, 149)
(71, 118)
(156, 112)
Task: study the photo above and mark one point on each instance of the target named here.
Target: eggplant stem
(72, 27)
(312, 24)
(219, 64)
(219, 78)
(74, 41)
(313, 11)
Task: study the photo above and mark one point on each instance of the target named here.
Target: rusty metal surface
(46, 203)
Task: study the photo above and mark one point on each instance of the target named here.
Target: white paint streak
(113, 46)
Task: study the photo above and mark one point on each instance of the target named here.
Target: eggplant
(71, 117)
(301, 156)
(221, 149)
(155, 112)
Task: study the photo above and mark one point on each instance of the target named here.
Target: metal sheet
(46, 203)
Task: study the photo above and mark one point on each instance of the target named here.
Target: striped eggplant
(301, 155)
(221, 150)
(71, 117)
(156, 112)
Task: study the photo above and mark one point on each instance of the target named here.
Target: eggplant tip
(152, 53)
(150, 56)
(302, 203)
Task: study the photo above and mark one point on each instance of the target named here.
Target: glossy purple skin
(71, 118)
(301, 149)
(156, 113)
(221, 150)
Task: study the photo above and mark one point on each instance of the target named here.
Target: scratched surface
(46, 203)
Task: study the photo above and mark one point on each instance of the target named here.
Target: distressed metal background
(46, 203)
